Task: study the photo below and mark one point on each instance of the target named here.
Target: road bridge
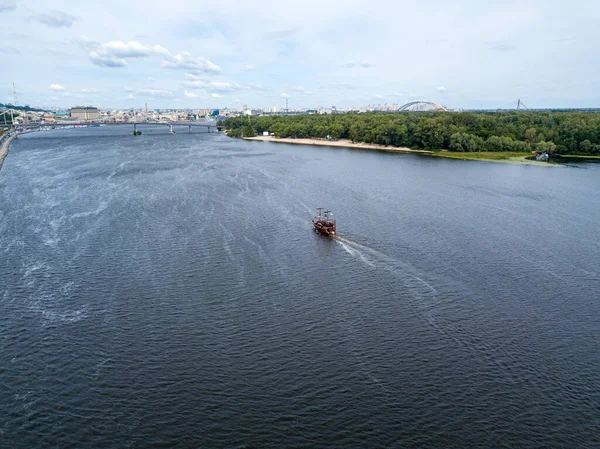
(74, 124)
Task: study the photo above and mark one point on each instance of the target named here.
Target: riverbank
(342, 143)
(505, 156)
(4, 148)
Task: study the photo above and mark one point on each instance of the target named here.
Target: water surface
(168, 291)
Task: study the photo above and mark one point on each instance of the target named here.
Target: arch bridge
(421, 106)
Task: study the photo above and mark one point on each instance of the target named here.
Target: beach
(511, 158)
(343, 143)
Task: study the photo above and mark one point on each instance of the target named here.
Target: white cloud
(116, 53)
(217, 96)
(56, 19)
(190, 94)
(155, 93)
(197, 84)
(56, 88)
(221, 86)
(249, 67)
(128, 89)
(299, 89)
(66, 94)
(225, 87)
(254, 86)
(441, 89)
(130, 97)
(186, 61)
(88, 91)
(106, 60)
(8, 5)
(363, 64)
(284, 95)
(379, 96)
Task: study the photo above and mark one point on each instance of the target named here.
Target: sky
(314, 53)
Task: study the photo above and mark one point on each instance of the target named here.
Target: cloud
(500, 46)
(106, 60)
(10, 51)
(190, 94)
(88, 91)
(66, 94)
(339, 86)
(192, 76)
(8, 5)
(56, 19)
(299, 89)
(221, 86)
(281, 33)
(185, 61)
(217, 96)
(116, 53)
(249, 67)
(128, 89)
(196, 84)
(130, 97)
(56, 88)
(158, 93)
(284, 95)
(363, 64)
(441, 89)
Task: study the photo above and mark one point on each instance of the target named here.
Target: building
(84, 113)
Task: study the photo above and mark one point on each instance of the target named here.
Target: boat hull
(323, 229)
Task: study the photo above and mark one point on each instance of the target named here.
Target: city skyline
(318, 54)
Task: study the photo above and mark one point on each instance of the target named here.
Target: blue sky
(463, 54)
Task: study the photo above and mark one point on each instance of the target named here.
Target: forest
(555, 132)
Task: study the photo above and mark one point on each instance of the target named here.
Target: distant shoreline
(342, 143)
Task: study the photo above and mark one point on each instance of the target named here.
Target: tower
(286, 106)
(14, 94)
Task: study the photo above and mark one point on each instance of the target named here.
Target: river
(169, 291)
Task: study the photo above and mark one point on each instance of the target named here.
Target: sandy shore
(4, 149)
(342, 143)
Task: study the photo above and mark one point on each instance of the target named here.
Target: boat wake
(375, 258)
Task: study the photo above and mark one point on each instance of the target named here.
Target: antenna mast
(15, 94)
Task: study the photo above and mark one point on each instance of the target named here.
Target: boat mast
(319, 213)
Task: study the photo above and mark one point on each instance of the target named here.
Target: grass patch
(578, 156)
(483, 155)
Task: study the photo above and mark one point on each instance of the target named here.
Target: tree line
(560, 132)
(25, 108)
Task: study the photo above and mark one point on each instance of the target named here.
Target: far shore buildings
(84, 113)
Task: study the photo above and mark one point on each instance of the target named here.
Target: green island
(508, 136)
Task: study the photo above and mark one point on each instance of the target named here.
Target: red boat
(324, 222)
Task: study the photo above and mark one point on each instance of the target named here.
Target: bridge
(74, 124)
(421, 106)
